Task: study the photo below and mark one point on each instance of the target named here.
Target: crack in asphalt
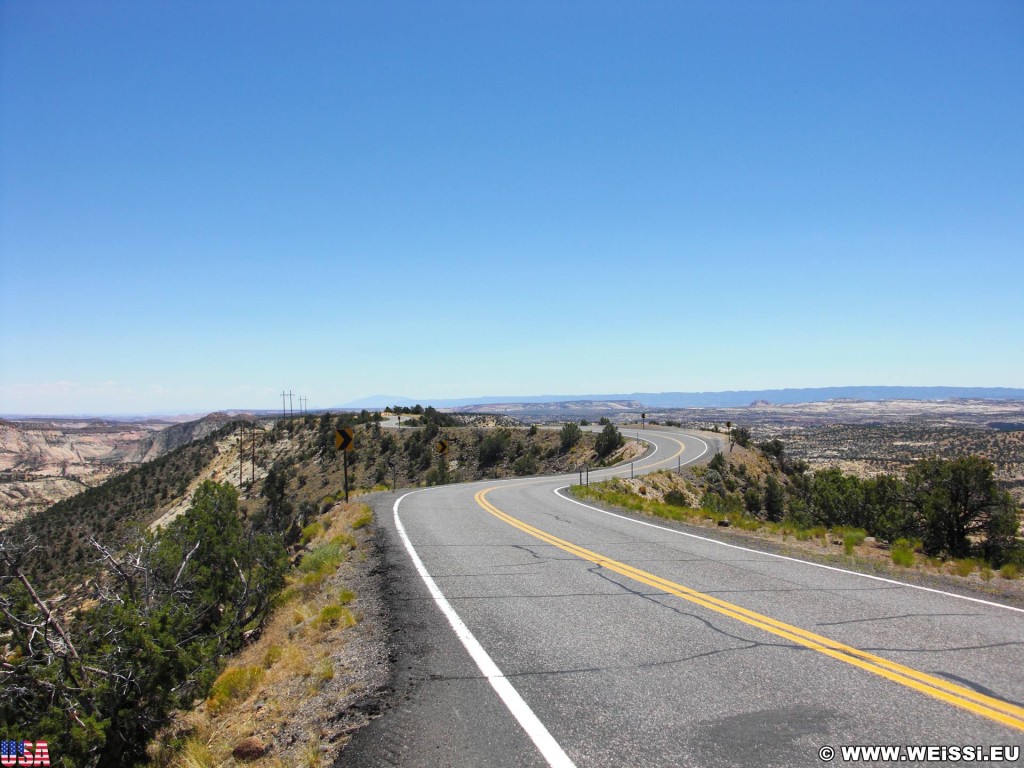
(598, 571)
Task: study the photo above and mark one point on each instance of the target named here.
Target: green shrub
(525, 465)
(310, 532)
(569, 435)
(853, 538)
(233, 685)
(363, 520)
(730, 503)
(334, 615)
(608, 441)
(745, 522)
(493, 448)
(272, 656)
(964, 567)
(285, 596)
(1009, 571)
(325, 670)
(324, 559)
(676, 499)
(345, 540)
(902, 553)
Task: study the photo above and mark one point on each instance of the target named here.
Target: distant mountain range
(729, 399)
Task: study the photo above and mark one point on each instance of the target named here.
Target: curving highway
(533, 630)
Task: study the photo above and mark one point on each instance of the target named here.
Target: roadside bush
(569, 435)
(310, 532)
(730, 503)
(233, 685)
(493, 447)
(902, 553)
(964, 567)
(676, 499)
(752, 500)
(853, 539)
(324, 559)
(717, 463)
(364, 519)
(741, 436)
(608, 441)
(525, 465)
(333, 616)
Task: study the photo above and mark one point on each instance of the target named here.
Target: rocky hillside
(47, 460)
(305, 467)
(322, 658)
(177, 435)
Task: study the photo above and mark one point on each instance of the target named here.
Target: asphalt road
(532, 630)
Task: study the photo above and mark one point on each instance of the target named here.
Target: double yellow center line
(957, 695)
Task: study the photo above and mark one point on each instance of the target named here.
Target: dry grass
(234, 685)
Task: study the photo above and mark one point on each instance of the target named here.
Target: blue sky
(204, 203)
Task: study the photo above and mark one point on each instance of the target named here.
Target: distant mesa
(583, 406)
(727, 399)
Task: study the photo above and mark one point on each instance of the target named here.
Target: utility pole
(291, 405)
(283, 411)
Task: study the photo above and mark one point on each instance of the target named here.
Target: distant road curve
(535, 630)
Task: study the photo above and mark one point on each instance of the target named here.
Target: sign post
(344, 441)
(441, 446)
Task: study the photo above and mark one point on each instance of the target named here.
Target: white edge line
(535, 729)
(790, 559)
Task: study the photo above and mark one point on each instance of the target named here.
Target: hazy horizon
(654, 400)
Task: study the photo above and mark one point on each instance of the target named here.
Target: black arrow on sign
(343, 440)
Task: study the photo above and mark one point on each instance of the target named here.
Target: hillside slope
(45, 461)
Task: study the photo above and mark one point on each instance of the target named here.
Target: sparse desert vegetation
(946, 516)
(287, 698)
